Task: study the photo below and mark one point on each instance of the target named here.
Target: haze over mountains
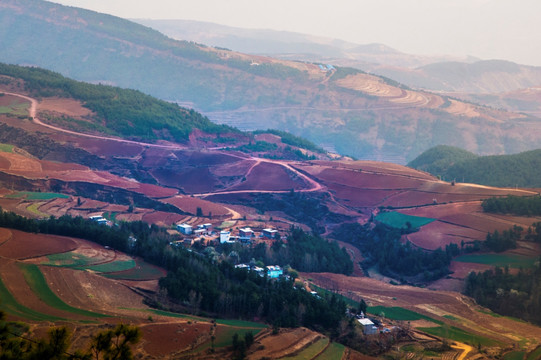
(342, 109)
(440, 73)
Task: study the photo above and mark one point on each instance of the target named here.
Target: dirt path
(466, 349)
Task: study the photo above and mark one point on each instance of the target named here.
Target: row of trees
(505, 240)
(517, 205)
(512, 295)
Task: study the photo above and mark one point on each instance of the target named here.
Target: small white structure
(368, 326)
(242, 266)
(225, 236)
(185, 229)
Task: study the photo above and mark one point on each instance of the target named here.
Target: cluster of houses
(99, 219)
(326, 68)
(272, 271)
(245, 235)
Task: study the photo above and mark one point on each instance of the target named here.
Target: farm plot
(31, 195)
(311, 351)
(12, 307)
(35, 279)
(167, 339)
(399, 221)
(27, 245)
(141, 271)
(438, 234)
(190, 204)
(501, 260)
(270, 177)
(457, 334)
(289, 341)
(334, 351)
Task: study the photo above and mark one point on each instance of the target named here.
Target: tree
(199, 212)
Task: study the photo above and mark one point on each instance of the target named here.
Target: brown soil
(289, 341)
(27, 245)
(167, 339)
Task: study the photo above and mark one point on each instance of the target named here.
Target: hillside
(450, 163)
(342, 110)
(47, 172)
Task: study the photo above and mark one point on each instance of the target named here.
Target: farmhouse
(99, 219)
(269, 233)
(225, 237)
(245, 234)
(368, 326)
(185, 229)
(274, 271)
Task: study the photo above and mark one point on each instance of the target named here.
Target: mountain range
(344, 110)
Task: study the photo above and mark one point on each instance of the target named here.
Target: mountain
(290, 45)
(521, 169)
(342, 109)
(480, 77)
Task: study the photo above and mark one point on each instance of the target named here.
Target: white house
(368, 326)
(185, 229)
(225, 237)
(269, 233)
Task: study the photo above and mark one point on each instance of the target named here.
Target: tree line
(517, 205)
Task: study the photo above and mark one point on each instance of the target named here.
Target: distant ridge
(451, 163)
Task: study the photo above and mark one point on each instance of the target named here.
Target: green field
(6, 148)
(10, 305)
(141, 271)
(311, 351)
(110, 267)
(456, 334)
(35, 279)
(515, 355)
(501, 260)
(398, 313)
(34, 210)
(335, 351)
(69, 259)
(534, 355)
(19, 109)
(399, 221)
(31, 195)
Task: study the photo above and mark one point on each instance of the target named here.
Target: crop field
(311, 351)
(12, 307)
(400, 221)
(69, 259)
(111, 267)
(501, 260)
(141, 271)
(333, 352)
(6, 148)
(399, 313)
(35, 279)
(31, 195)
(25, 246)
(456, 334)
(534, 355)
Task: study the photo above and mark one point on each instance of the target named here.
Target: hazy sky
(489, 29)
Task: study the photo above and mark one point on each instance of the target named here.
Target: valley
(198, 182)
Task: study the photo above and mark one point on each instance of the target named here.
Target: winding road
(314, 185)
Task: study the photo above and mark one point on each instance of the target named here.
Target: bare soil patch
(69, 107)
(167, 339)
(268, 176)
(27, 245)
(288, 341)
(438, 234)
(190, 204)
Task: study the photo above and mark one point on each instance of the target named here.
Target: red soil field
(27, 245)
(359, 197)
(193, 180)
(198, 158)
(161, 218)
(167, 339)
(438, 234)
(93, 292)
(268, 176)
(4, 163)
(369, 180)
(190, 204)
(104, 147)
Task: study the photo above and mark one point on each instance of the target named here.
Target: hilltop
(521, 169)
(341, 109)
